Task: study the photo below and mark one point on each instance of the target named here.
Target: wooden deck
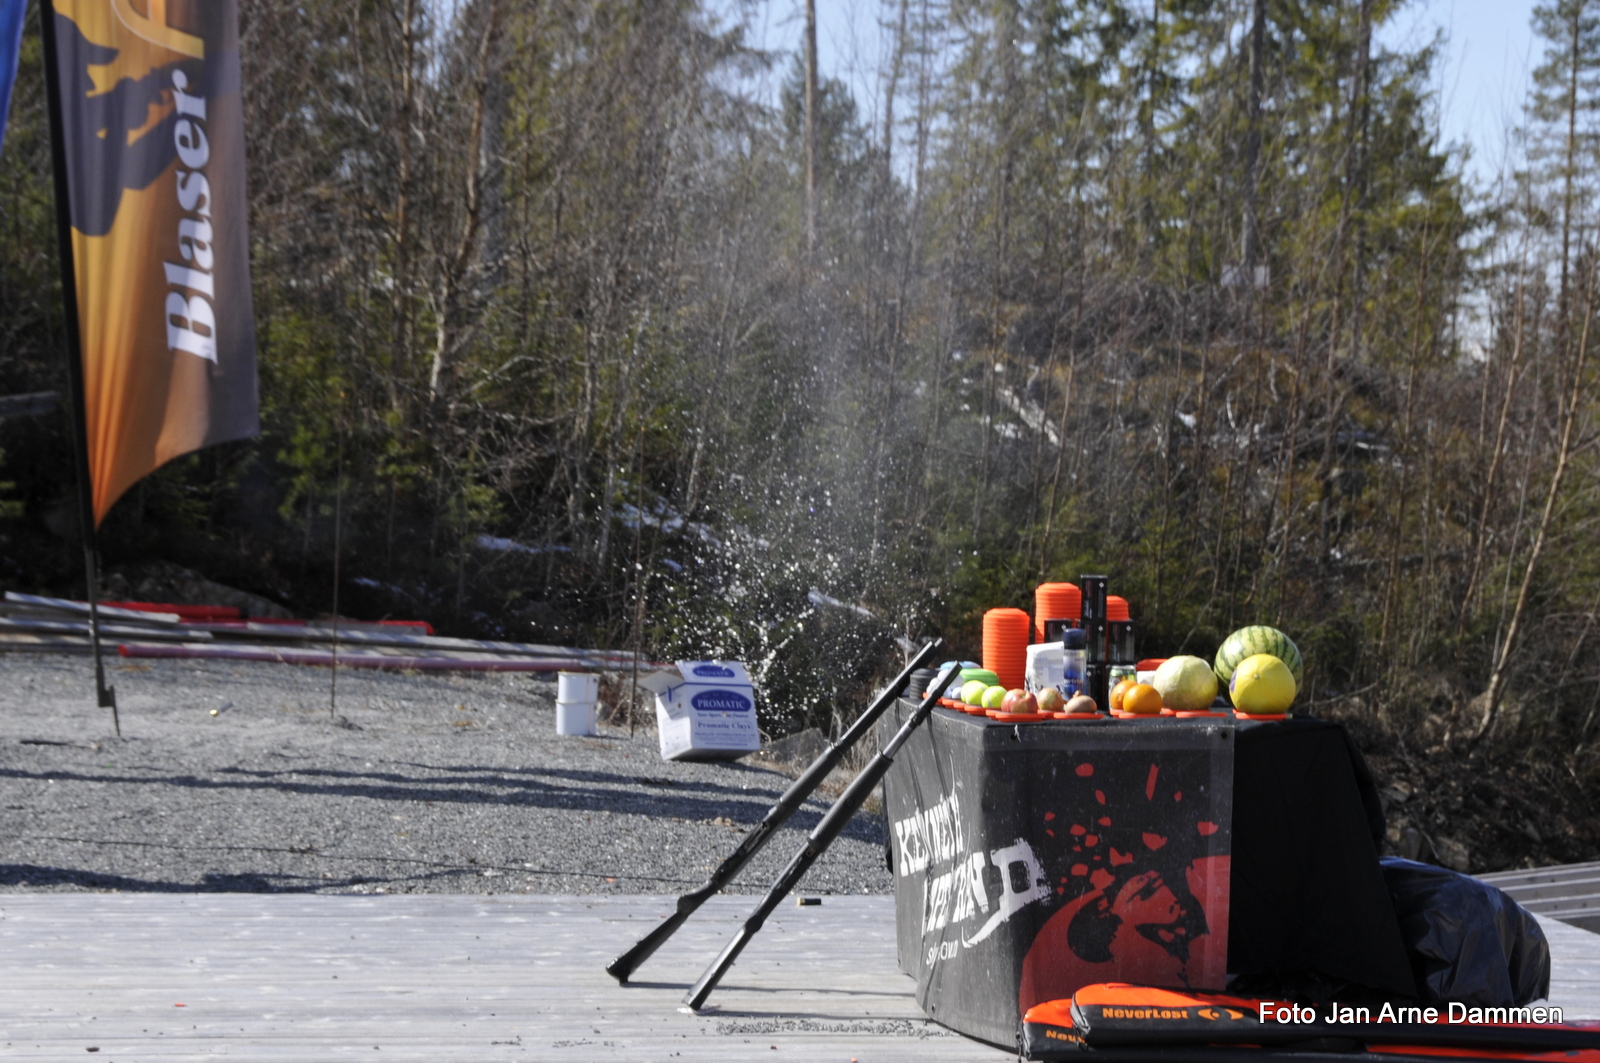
(436, 978)
(440, 978)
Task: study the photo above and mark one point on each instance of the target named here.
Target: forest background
(583, 339)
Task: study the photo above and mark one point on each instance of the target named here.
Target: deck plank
(442, 978)
(1575, 968)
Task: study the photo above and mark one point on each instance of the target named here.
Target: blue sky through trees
(1481, 84)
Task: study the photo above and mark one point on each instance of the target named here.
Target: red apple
(1050, 700)
(1019, 700)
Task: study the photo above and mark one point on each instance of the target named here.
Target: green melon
(1258, 638)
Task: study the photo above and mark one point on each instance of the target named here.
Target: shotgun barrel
(850, 802)
(623, 966)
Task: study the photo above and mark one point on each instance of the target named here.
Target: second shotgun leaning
(833, 824)
(623, 966)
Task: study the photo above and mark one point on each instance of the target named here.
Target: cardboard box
(705, 710)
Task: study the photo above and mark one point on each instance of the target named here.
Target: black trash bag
(1468, 941)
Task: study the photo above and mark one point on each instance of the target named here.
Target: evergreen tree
(1562, 112)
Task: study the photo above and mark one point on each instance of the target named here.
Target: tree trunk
(1250, 242)
(401, 308)
(460, 263)
(1569, 168)
(1574, 393)
(1480, 531)
(811, 128)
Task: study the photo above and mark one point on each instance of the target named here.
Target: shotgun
(623, 966)
(854, 796)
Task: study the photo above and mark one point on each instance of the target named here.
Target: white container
(577, 686)
(705, 710)
(1044, 667)
(574, 717)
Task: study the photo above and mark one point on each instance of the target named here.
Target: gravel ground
(442, 784)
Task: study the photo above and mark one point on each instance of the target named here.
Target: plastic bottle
(1072, 661)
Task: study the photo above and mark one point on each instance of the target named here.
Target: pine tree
(1564, 118)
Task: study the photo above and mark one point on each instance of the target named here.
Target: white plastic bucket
(574, 717)
(577, 687)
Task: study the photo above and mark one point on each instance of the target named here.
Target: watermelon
(1258, 638)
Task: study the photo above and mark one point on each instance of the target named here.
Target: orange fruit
(1119, 691)
(1142, 699)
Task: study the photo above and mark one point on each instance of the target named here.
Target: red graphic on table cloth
(1150, 905)
(1137, 928)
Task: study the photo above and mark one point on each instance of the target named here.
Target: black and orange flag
(150, 146)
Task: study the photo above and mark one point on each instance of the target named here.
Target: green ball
(972, 691)
(994, 697)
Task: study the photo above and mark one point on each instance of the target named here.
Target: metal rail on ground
(1568, 892)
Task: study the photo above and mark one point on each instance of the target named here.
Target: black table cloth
(1308, 893)
(1030, 859)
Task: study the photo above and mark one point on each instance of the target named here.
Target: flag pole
(78, 412)
(338, 530)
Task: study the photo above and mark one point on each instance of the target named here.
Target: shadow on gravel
(35, 876)
(616, 793)
(763, 781)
